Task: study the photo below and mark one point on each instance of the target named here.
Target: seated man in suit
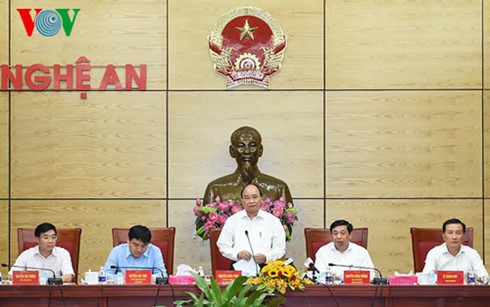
(452, 255)
(46, 254)
(264, 230)
(138, 253)
(342, 251)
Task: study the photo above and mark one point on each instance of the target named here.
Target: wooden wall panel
(190, 63)
(486, 233)
(201, 123)
(389, 223)
(4, 145)
(4, 33)
(4, 235)
(486, 46)
(96, 218)
(403, 44)
(106, 32)
(404, 144)
(110, 145)
(486, 141)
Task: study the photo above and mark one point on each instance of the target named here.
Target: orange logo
(247, 46)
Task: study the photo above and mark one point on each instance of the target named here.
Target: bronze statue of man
(246, 148)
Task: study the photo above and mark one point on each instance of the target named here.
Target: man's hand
(244, 255)
(260, 258)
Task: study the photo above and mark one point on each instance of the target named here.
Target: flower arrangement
(215, 214)
(278, 276)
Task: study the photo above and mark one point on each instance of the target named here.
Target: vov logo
(48, 22)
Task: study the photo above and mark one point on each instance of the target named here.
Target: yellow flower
(273, 273)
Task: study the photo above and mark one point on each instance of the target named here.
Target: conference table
(315, 295)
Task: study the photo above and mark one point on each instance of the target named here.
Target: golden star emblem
(246, 30)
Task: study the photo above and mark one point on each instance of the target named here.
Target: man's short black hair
(453, 221)
(241, 192)
(341, 223)
(44, 227)
(140, 232)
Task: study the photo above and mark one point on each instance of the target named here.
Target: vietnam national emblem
(247, 46)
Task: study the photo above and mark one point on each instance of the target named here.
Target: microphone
(51, 280)
(253, 254)
(377, 280)
(309, 264)
(159, 280)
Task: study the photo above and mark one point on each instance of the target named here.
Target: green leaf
(216, 291)
(207, 209)
(202, 284)
(232, 289)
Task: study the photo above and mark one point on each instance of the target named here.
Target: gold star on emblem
(246, 30)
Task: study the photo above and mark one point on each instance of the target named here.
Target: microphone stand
(253, 254)
(376, 280)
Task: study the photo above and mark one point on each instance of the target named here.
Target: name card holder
(224, 277)
(450, 277)
(359, 277)
(25, 277)
(137, 277)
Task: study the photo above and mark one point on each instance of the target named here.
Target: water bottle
(119, 278)
(102, 276)
(471, 280)
(200, 271)
(1, 279)
(328, 276)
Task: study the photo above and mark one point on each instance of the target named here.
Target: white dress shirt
(59, 261)
(354, 255)
(439, 259)
(265, 231)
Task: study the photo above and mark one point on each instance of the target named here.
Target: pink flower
(279, 204)
(197, 211)
(217, 199)
(290, 217)
(230, 203)
(213, 216)
(198, 201)
(208, 226)
(223, 206)
(236, 208)
(222, 218)
(203, 218)
(278, 211)
(265, 207)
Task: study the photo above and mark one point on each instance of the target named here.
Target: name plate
(137, 277)
(356, 277)
(450, 277)
(226, 276)
(25, 277)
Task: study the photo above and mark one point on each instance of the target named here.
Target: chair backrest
(68, 238)
(162, 237)
(424, 239)
(218, 262)
(317, 237)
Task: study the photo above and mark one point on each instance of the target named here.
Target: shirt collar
(349, 248)
(54, 252)
(145, 254)
(461, 249)
(260, 214)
